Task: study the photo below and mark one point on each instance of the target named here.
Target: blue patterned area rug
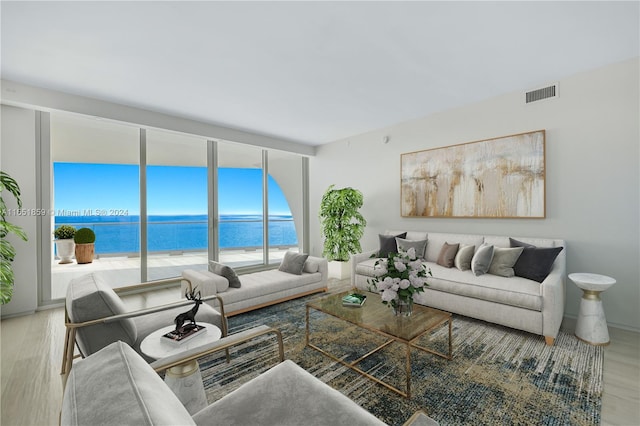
(497, 375)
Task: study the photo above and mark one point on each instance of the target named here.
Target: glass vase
(402, 307)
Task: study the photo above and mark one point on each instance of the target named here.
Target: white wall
(592, 176)
(17, 158)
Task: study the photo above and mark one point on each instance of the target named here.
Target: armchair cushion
(115, 386)
(90, 298)
(282, 396)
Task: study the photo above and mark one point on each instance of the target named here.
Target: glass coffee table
(378, 318)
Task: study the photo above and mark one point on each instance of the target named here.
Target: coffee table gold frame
(376, 317)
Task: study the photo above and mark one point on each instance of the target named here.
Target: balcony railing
(118, 238)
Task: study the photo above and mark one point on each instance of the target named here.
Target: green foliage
(64, 232)
(342, 225)
(84, 236)
(7, 251)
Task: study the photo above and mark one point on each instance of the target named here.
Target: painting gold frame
(502, 177)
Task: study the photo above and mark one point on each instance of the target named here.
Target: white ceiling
(310, 72)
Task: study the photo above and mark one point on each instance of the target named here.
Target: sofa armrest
(357, 258)
(323, 267)
(553, 297)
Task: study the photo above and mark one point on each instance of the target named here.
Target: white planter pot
(339, 270)
(65, 250)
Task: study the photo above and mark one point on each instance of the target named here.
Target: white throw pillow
(482, 260)
(463, 257)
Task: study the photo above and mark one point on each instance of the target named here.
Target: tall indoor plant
(7, 251)
(342, 225)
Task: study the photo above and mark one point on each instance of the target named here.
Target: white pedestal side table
(592, 324)
(184, 380)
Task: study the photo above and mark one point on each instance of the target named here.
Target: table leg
(185, 381)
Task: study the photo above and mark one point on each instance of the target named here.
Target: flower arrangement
(399, 277)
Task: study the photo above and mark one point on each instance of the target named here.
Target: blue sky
(171, 190)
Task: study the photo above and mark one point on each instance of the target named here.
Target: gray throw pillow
(463, 257)
(482, 260)
(225, 271)
(535, 263)
(388, 244)
(503, 261)
(418, 245)
(293, 263)
(447, 254)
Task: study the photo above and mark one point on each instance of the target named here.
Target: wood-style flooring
(31, 349)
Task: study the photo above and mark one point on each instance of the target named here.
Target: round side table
(592, 324)
(185, 380)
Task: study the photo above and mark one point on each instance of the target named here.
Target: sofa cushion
(285, 395)
(463, 258)
(293, 263)
(514, 291)
(267, 282)
(437, 240)
(482, 259)
(503, 261)
(534, 263)
(115, 386)
(388, 244)
(447, 254)
(90, 298)
(225, 271)
(418, 245)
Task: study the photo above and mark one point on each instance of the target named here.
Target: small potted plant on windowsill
(342, 226)
(64, 242)
(85, 247)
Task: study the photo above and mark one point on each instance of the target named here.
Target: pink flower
(404, 284)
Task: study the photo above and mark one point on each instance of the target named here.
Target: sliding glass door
(176, 204)
(95, 181)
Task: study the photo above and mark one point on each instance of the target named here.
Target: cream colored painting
(495, 178)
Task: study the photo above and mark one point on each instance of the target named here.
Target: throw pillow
(447, 254)
(225, 271)
(418, 245)
(482, 260)
(388, 244)
(503, 261)
(293, 263)
(463, 257)
(534, 263)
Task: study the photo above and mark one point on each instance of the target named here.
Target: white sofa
(520, 303)
(258, 289)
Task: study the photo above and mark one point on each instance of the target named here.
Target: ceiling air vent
(543, 93)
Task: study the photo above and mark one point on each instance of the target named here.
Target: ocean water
(121, 234)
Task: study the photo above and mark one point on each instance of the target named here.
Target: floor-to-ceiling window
(176, 204)
(285, 190)
(160, 202)
(95, 184)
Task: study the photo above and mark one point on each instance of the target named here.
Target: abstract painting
(495, 178)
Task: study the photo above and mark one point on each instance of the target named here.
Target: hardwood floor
(31, 350)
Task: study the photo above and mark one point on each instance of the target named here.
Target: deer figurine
(190, 315)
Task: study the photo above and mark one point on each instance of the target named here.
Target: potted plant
(342, 226)
(7, 251)
(85, 250)
(64, 242)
